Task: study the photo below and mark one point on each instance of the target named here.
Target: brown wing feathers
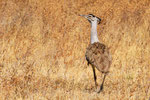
(98, 55)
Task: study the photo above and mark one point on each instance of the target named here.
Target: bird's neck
(94, 37)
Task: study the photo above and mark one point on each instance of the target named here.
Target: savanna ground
(43, 43)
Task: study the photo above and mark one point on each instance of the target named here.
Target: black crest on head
(92, 15)
(96, 17)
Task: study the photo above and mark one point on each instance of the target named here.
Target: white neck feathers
(94, 37)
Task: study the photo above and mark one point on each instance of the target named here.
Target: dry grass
(43, 43)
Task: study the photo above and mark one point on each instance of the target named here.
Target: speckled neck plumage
(94, 37)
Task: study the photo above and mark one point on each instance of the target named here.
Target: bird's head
(91, 18)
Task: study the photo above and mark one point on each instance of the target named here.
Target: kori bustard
(97, 54)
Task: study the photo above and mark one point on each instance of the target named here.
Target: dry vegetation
(43, 43)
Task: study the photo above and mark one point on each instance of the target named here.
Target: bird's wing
(98, 55)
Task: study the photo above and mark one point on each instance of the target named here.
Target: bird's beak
(85, 16)
(82, 15)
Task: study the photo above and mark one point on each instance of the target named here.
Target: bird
(97, 54)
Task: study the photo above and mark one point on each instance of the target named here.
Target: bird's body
(97, 54)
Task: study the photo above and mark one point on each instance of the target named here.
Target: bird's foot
(101, 89)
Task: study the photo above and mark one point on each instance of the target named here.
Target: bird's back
(97, 55)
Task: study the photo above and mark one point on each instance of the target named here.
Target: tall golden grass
(43, 43)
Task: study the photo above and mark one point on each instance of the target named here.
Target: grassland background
(43, 43)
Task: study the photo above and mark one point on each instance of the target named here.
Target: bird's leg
(101, 87)
(88, 63)
(94, 76)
